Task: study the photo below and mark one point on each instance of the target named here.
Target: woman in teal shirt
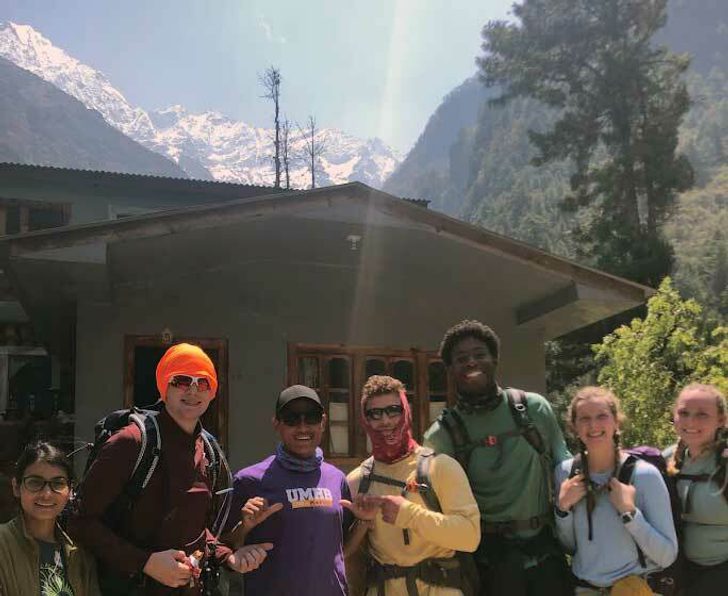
(699, 463)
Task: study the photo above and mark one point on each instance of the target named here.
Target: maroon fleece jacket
(172, 512)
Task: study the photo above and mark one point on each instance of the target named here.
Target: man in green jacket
(508, 441)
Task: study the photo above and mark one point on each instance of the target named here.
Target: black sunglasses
(391, 411)
(294, 418)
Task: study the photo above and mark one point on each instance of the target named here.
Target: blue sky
(369, 67)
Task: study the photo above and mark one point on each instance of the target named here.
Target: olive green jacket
(19, 563)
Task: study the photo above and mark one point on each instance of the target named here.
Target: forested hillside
(481, 171)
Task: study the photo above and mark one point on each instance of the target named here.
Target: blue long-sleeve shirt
(612, 553)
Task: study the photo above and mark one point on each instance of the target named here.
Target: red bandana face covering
(391, 452)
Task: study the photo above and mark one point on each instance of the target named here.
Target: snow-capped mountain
(200, 143)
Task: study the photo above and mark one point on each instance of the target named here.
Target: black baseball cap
(296, 392)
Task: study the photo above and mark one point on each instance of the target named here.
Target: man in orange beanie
(156, 544)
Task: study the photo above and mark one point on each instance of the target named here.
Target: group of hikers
(492, 503)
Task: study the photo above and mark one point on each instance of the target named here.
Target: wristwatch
(628, 516)
(560, 513)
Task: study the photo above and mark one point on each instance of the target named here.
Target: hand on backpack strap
(571, 492)
(255, 511)
(622, 496)
(249, 557)
(169, 567)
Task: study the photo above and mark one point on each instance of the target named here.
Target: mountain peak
(229, 149)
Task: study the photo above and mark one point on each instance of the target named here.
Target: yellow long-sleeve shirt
(432, 534)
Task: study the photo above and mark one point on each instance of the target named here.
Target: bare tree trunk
(314, 147)
(285, 150)
(271, 81)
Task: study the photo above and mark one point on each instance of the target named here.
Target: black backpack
(146, 420)
(666, 581)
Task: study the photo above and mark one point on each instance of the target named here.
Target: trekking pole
(85, 445)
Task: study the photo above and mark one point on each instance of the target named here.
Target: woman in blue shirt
(601, 521)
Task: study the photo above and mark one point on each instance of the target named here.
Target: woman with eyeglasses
(293, 499)
(36, 555)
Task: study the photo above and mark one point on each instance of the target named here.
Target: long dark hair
(719, 445)
(42, 451)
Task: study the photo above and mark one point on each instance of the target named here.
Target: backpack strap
(216, 461)
(146, 463)
(626, 470)
(576, 467)
(213, 453)
(519, 410)
(367, 468)
(453, 423)
(625, 476)
(149, 453)
(422, 479)
(424, 485)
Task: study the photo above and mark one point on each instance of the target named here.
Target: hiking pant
(704, 580)
(502, 563)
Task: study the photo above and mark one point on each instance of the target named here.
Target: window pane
(338, 396)
(39, 218)
(437, 383)
(339, 373)
(12, 219)
(308, 372)
(437, 375)
(375, 366)
(404, 370)
(338, 437)
(435, 408)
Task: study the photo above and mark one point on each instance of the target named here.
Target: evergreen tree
(620, 101)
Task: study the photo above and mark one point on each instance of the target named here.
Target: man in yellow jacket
(423, 516)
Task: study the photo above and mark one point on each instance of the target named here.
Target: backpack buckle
(491, 440)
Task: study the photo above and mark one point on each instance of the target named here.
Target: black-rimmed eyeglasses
(36, 484)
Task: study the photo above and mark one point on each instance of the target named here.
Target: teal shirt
(705, 528)
(511, 485)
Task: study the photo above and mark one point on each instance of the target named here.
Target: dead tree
(271, 82)
(286, 150)
(314, 146)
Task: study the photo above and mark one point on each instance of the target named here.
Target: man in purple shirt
(293, 500)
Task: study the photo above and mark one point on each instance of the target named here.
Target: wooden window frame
(221, 345)
(358, 355)
(25, 206)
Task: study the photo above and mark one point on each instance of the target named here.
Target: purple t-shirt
(307, 534)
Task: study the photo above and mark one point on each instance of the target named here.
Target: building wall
(97, 196)
(259, 309)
